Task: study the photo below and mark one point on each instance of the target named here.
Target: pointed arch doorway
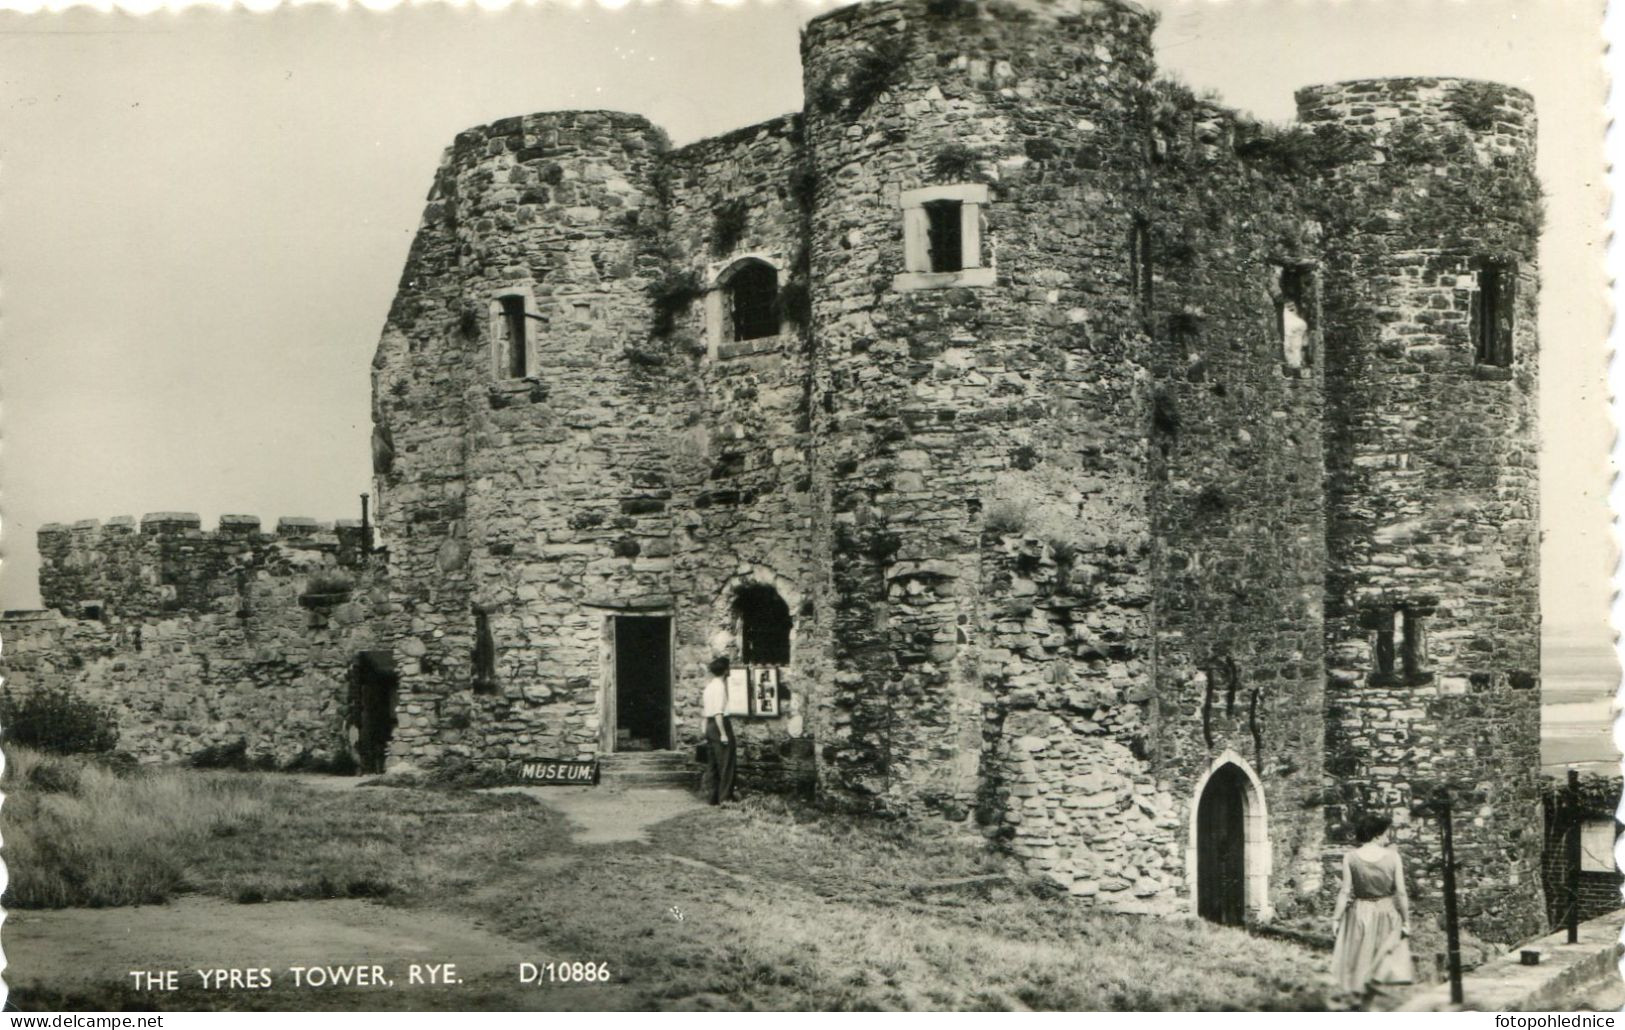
(1229, 856)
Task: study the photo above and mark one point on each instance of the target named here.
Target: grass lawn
(766, 905)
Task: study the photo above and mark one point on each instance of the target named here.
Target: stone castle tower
(1073, 455)
(1050, 449)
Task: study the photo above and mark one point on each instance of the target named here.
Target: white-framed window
(942, 238)
(514, 324)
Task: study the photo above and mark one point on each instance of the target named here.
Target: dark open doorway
(373, 685)
(1221, 847)
(642, 683)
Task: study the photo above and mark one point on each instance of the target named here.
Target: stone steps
(649, 769)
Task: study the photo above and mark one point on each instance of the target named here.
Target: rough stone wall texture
(743, 513)
(1239, 555)
(1432, 480)
(204, 640)
(541, 502)
(974, 432)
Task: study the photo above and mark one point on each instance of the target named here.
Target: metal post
(1452, 932)
(1572, 858)
(366, 529)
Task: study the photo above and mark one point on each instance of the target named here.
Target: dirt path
(605, 816)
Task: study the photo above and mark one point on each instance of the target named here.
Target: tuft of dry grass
(79, 834)
(773, 905)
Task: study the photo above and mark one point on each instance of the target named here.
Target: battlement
(167, 562)
(1379, 105)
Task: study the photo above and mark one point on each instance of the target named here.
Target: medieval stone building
(1049, 448)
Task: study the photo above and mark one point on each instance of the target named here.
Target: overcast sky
(203, 216)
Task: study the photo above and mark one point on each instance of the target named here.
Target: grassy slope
(779, 907)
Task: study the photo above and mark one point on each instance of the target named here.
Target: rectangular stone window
(513, 336)
(513, 344)
(942, 238)
(1414, 646)
(1493, 308)
(1399, 649)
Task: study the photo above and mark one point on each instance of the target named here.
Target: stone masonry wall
(204, 641)
(1238, 514)
(743, 512)
(983, 447)
(542, 505)
(1432, 481)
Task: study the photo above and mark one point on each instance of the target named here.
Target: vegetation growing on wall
(728, 226)
(852, 90)
(671, 295)
(1477, 104)
(58, 721)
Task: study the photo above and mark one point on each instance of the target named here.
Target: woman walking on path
(1373, 914)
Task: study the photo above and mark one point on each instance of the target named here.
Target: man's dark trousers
(723, 756)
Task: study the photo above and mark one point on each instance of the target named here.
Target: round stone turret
(977, 167)
(1432, 606)
(509, 400)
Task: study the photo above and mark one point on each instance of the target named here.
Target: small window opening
(513, 328)
(1139, 258)
(764, 626)
(945, 235)
(485, 655)
(1292, 315)
(1414, 652)
(753, 293)
(1493, 314)
(1385, 644)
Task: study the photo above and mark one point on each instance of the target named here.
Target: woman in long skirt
(1373, 914)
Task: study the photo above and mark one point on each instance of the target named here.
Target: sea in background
(1579, 678)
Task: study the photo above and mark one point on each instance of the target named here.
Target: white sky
(203, 217)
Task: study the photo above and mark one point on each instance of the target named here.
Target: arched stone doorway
(1229, 855)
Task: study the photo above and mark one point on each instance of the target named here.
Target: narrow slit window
(945, 235)
(514, 345)
(1493, 314)
(485, 655)
(1384, 656)
(1139, 257)
(753, 293)
(1292, 315)
(1414, 645)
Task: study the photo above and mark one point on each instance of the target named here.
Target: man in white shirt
(721, 750)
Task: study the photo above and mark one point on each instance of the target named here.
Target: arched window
(764, 626)
(753, 295)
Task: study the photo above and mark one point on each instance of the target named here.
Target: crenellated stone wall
(205, 641)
